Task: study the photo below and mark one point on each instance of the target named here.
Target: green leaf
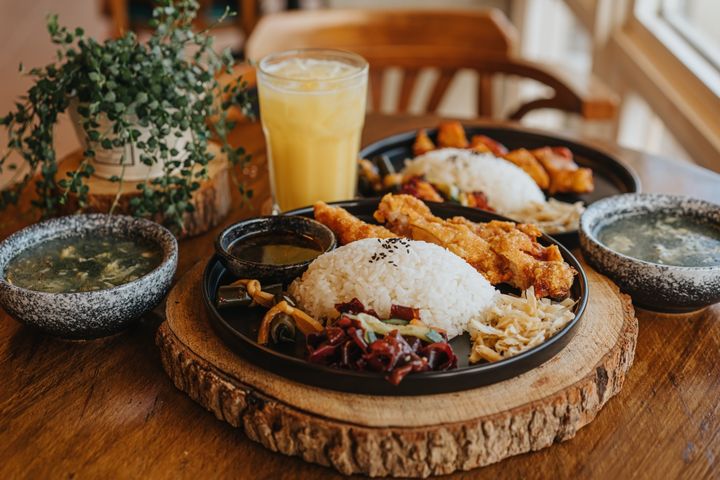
(52, 24)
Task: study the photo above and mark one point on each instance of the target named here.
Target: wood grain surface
(106, 409)
(383, 435)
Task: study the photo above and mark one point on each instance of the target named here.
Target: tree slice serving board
(212, 200)
(403, 436)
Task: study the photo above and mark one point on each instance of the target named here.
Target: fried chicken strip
(409, 217)
(501, 251)
(565, 175)
(347, 227)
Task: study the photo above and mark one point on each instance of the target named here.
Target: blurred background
(659, 59)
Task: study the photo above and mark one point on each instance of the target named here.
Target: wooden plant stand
(212, 200)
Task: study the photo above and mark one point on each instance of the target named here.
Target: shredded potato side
(515, 324)
(551, 217)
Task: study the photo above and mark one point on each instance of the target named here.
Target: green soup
(664, 238)
(83, 263)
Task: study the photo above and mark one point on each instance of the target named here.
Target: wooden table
(106, 408)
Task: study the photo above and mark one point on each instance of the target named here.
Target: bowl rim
(167, 242)
(224, 252)
(587, 232)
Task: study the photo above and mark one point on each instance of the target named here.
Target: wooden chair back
(413, 40)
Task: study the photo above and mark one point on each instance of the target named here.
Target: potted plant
(141, 109)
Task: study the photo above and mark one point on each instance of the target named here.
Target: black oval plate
(239, 327)
(611, 176)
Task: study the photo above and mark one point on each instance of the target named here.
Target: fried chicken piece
(530, 263)
(565, 175)
(524, 159)
(452, 135)
(481, 143)
(422, 144)
(409, 217)
(347, 227)
(502, 251)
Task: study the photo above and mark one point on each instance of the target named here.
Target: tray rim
(238, 341)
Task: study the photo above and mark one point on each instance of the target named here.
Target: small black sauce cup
(271, 225)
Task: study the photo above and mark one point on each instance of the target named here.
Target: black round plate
(239, 327)
(611, 176)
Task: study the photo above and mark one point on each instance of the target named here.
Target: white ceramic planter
(125, 161)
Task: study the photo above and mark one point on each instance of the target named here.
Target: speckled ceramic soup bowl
(653, 286)
(91, 314)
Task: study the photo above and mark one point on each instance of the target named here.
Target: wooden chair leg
(485, 96)
(376, 88)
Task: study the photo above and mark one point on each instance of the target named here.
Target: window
(696, 22)
(672, 31)
(663, 54)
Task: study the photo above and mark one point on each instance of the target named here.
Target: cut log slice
(212, 201)
(403, 436)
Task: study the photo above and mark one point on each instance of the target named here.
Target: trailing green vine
(166, 85)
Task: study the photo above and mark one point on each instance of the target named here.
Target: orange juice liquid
(312, 115)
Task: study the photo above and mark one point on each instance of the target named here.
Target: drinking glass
(312, 107)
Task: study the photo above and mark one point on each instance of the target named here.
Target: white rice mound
(379, 273)
(507, 187)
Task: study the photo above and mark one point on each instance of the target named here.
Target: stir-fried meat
(481, 143)
(552, 168)
(422, 189)
(347, 227)
(524, 159)
(501, 251)
(477, 200)
(452, 135)
(565, 175)
(422, 144)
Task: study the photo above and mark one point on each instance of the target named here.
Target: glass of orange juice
(312, 107)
